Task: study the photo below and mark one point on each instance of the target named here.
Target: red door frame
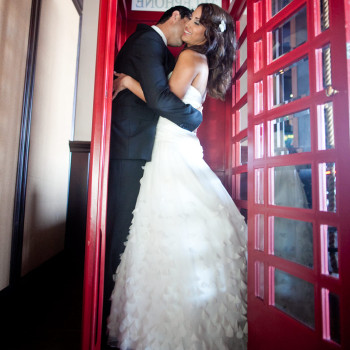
(269, 328)
(109, 11)
(98, 174)
(93, 276)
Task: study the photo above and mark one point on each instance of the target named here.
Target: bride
(181, 283)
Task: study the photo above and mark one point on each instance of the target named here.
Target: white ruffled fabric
(181, 283)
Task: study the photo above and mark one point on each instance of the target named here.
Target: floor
(44, 313)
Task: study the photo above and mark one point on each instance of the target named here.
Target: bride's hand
(119, 83)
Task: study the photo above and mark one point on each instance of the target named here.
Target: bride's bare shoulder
(192, 57)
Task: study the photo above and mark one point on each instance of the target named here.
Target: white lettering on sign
(163, 5)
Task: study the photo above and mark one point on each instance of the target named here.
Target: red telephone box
(280, 144)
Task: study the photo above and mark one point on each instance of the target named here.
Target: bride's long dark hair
(219, 48)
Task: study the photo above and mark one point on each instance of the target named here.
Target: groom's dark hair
(184, 12)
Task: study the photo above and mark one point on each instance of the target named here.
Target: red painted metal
(95, 234)
(270, 328)
(236, 10)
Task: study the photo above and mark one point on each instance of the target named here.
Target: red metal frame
(95, 233)
(113, 29)
(235, 168)
(269, 328)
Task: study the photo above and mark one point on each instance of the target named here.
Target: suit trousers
(123, 189)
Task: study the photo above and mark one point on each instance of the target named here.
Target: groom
(146, 58)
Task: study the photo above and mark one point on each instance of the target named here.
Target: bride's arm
(124, 81)
(185, 71)
(183, 75)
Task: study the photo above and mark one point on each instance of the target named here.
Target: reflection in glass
(243, 85)
(235, 116)
(331, 238)
(293, 240)
(242, 186)
(290, 34)
(326, 66)
(258, 56)
(327, 175)
(242, 54)
(326, 126)
(259, 186)
(292, 186)
(234, 94)
(324, 9)
(243, 117)
(334, 317)
(295, 297)
(291, 83)
(291, 134)
(259, 279)
(257, 15)
(243, 22)
(243, 146)
(259, 232)
(258, 97)
(259, 140)
(278, 5)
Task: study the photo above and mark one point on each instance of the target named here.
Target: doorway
(279, 162)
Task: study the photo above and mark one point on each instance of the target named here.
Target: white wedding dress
(181, 283)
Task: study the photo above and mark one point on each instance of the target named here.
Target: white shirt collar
(159, 31)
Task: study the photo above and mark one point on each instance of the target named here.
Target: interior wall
(49, 157)
(86, 77)
(14, 30)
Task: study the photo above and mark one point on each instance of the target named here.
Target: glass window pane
(278, 5)
(257, 15)
(293, 240)
(295, 297)
(259, 232)
(258, 97)
(242, 182)
(259, 279)
(291, 134)
(291, 83)
(334, 317)
(259, 186)
(327, 175)
(290, 34)
(234, 186)
(331, 316)
(330, 250)
(242, 85)
(243, 22)
(324, 13)
(292, 186)
(233, 124)
(243, 146)
(326, 66)
(234, 94)
(326, 126)
(242, 54)
(259, 140)
(258, 55)
(243, 117)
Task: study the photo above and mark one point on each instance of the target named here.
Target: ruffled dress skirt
(181, 283)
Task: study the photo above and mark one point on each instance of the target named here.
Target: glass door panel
(298, 192)
(240, 110)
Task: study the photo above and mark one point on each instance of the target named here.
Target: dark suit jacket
(145, 57)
